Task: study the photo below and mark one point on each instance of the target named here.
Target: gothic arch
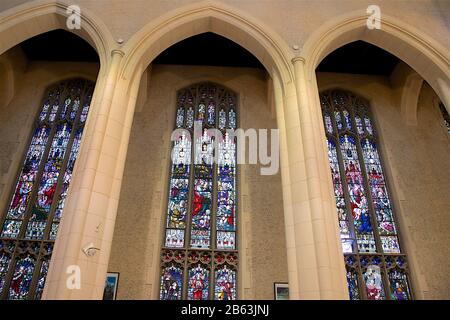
(428, 57)
(28, 20)
(207, 16)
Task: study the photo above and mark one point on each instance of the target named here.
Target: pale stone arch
(265, 45)
(421, 52)
(235, 85)
(410, 84)
(424, 54)
(207, 16)
(30, 19)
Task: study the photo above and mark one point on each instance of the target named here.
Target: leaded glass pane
(21, 280)
(37, 202)
(361, 189)
(201, 214)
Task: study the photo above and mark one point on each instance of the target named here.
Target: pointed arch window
(376, 265)
(199, 254)
(30, 221)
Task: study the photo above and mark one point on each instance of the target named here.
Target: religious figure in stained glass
(201, 214)
(32, 218)
(374, 260)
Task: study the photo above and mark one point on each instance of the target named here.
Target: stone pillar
(301, 254)
(315, 261)
(329, 265)
(91, 206)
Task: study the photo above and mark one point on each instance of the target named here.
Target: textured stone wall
(417, 163)
(142, 207)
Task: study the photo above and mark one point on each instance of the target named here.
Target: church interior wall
(143, 201)
(416, 161)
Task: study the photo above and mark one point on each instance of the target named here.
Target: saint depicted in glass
(365, 212)
(37, 201)
(201, 210)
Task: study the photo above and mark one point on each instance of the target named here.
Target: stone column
(328, 253)
(91, 206)
(301, 255)
(315, 261)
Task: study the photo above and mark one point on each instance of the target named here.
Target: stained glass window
(199, 255)
(31, 220)
(376, 266)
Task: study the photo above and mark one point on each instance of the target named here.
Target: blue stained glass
(41, 280)
(27, 177)
(41, 180)
(380, 197)
(368, 124)
(226, 202)
(75, 107)
(363, 185)
(54, 110)
(21, 280)
(171, 283)
(65, 107)
(180, 117)
(198, 284)
(232, 119)
(352, 281)
(181, 157)
(11, 228)
(390, 244)
(201, 112)
(5, 259)
(399, 285)
(358, 199)
(225, 211)
(44, 111)
(211, 113)
(225, 284)
(222, 119)
(179, 193)
(204, 103)
(347, 239)
(67, 176)
(35, 230)
(190, 118)
(53, 231)
(84, 112)
(348, 121)
(328, 124)
(201, 212)
(49, 180)
(359, 125)
(337, 117)
(202, 195)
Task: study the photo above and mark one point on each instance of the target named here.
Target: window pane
(360, 188)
